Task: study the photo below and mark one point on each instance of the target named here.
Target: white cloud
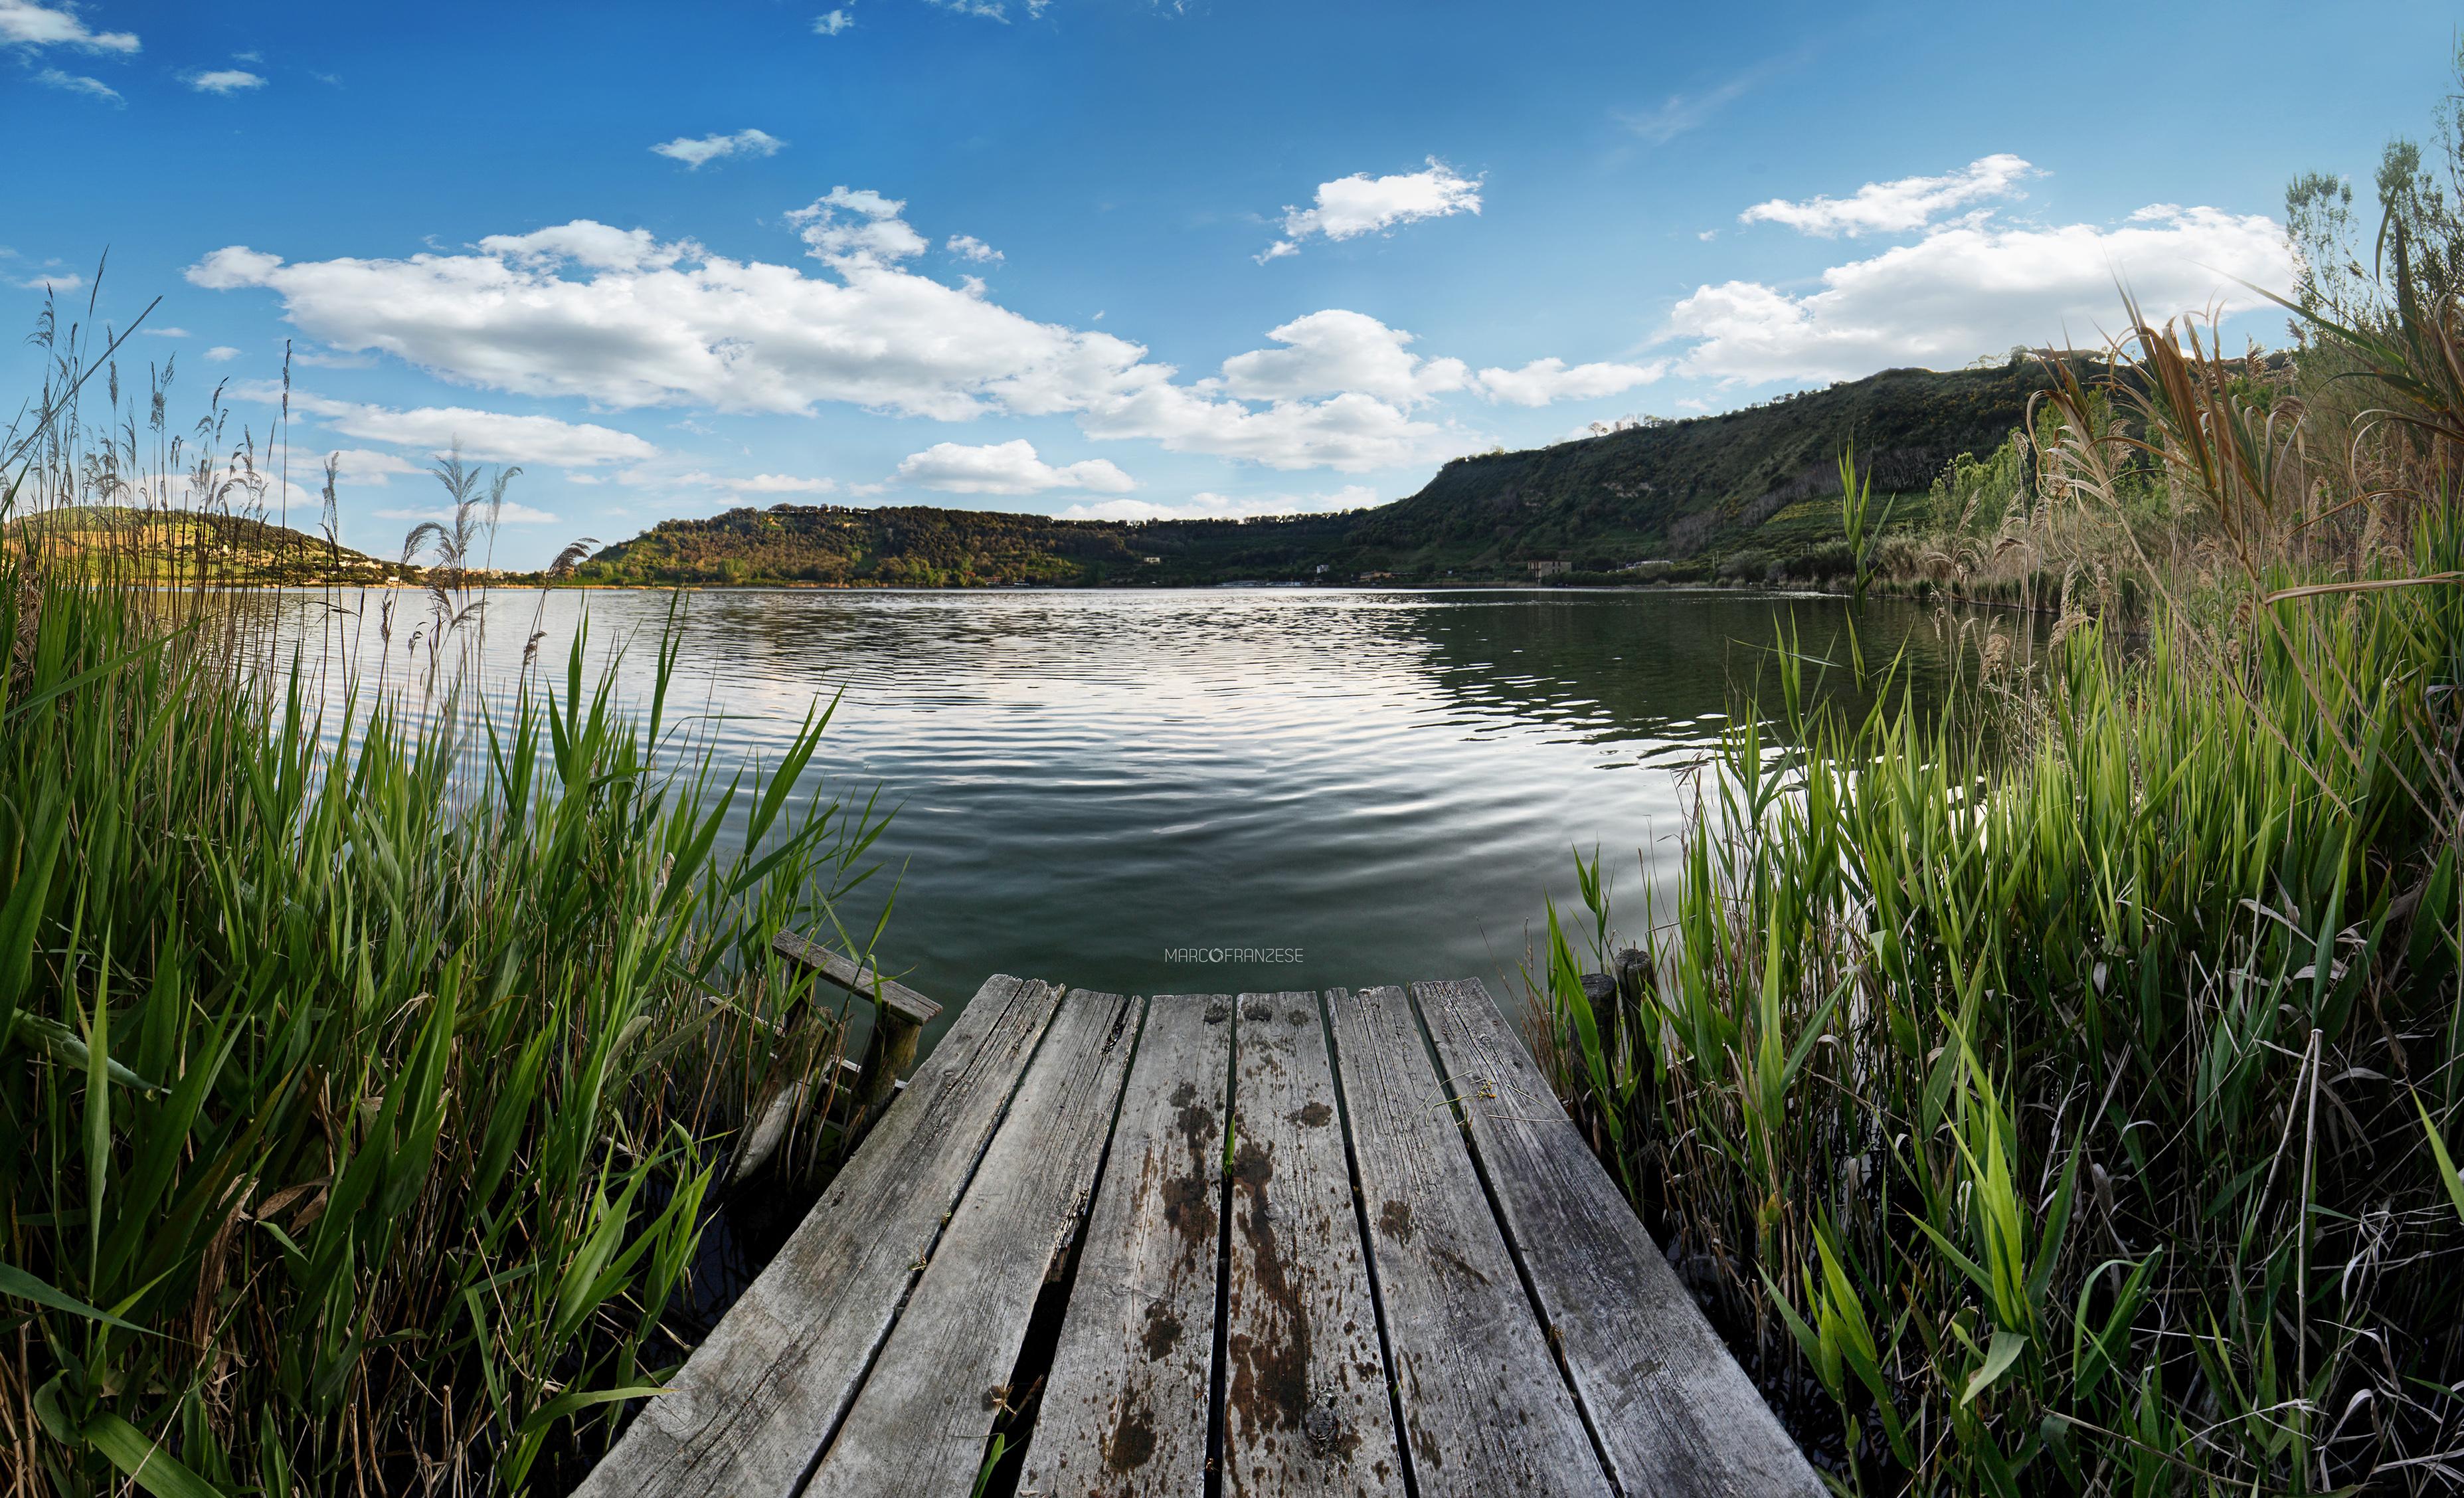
(1360, 204)
(1896, 207)
(782, 484)
(1351, 432)
(830, 23)
(53, 280)
(26, 24)
(1972, 288)
(225, 80)
(165, 332)
(1545, 380)
(509, 514)
(856, 229)
(694, 151)
(485, 436)
(586, 242)
(967, 247)
(1335, 351)
(1208, 506)
(221, 354)
(370, 467)
(77, 84)
(1005, 468)
(990, 9)
(623, 320)
(1330, 352)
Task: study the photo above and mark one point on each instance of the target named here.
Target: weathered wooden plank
(919, 1427)
(902, 1001)
(760, 1396)
(1485, 1409)
(1305, 1407)
(1673, 1410)
(1125, 1408)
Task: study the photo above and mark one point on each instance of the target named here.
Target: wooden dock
(1347, 1245)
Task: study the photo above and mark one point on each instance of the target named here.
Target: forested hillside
(1696, 494)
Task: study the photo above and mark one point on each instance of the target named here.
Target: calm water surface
(1383, 786)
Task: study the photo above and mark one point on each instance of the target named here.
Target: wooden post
(890, 1056)
(1601, 990)
(899, 1016)
(1636, 977)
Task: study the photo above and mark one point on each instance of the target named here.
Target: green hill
(1699, 494)
(187, 545)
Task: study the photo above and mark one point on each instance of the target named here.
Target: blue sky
(1022, 255)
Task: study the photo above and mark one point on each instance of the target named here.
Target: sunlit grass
(2053, 1096)
(371, 1053)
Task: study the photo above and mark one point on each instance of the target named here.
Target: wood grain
(1304, 1410)
(919, 1427)
(1675, 1413)
(757, 1398)
(1125, 1408)
(1485, 1409)
(902, 1001)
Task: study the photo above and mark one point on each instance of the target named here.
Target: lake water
(1129, 791)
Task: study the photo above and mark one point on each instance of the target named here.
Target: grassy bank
(371, 1071)
(2059, 1097)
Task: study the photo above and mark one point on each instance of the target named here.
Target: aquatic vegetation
(2057, 1096)
(369, 1080)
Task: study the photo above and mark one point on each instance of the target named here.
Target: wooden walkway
(1299, 1246)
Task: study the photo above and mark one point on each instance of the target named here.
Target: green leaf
(2006, 1349)
(14, 1281)
(135, 1453)
(2447, 1175)
(69, 1048)
(563, 1405)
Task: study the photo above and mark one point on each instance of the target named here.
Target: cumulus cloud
(829, 23)
(486, 436)
(221, 354)
(370, 467)
(225, 80)
(967, 247)
(856, 228)
(1897, 206)
(1545, 380)
(26, 24)
(694, 151)
(623, 320)
(1972, 288)
(1005, 468)
(1360, 204)
(1210, 506)
(1330, 352)
(1335, 351)
(586, 242)
(52, 281)
(165, 332)
(78, 83)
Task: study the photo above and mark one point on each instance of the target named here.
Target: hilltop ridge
(1692, 493)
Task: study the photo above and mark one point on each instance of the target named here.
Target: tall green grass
(371, 1063)
(2053, 1096)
